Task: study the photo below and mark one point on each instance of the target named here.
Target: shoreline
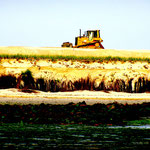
(14, 96)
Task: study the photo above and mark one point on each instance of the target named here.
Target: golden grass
(53, 51)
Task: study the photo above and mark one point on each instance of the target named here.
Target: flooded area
(27, 136)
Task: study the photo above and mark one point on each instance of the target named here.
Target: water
(19, 136)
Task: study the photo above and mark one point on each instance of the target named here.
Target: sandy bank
(13, 96)
(116, 75)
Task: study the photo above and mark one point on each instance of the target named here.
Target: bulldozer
(90, 39)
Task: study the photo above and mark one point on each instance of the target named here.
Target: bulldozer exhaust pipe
(80, 32)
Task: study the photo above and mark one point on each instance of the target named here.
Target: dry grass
(53, 51)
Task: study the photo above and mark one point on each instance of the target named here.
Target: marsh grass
(139, 122)
(80, 113)
(74, 58)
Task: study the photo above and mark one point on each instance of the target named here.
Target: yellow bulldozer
(90, 39)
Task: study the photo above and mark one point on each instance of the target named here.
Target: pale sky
(124, 24)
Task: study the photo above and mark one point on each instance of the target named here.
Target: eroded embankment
(68, 75)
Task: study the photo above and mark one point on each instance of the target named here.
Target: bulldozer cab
(92, 34)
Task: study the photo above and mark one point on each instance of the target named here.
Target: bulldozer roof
(93, 30)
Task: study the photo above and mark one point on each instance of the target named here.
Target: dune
(115, 75)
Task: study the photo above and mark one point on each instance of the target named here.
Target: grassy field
(74, 54)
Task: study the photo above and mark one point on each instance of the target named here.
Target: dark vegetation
(7, 81)
(27, 78)
(26, 82)
(97, 114)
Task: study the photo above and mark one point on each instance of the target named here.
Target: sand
(14, 96)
